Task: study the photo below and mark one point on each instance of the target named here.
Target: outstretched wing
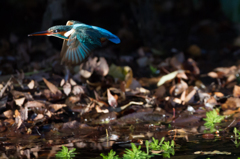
(64, 45)
(83, 39)
(79, 45)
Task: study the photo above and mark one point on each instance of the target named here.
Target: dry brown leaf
(49, 114)
(111, 100)
(195, 70)
(231, 78)
(231, 103)
(56, 107)
(51, 86)
(8, 114)
(19, 101)
(102, 67)
(182, 75)
(213, 74)
(178, 88)
(9, 82)
(73, 99)
(219, 94)
(18, 119)
(31, 104)
(226, 70)
(190, 96)
(211, 102)
(62, 82)
(236, 91)
(86, 69)
(99, 110)
(38, 117)
(31, 84)
(72, 82)
(67, 88)
(78, 90)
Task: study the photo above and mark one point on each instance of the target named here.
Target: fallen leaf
(213, 74)
(168, 77)
(31, 104)
(8, 114)
(19, 101)
(31, 84)
(219, 94)
(86, 69)
(51, 86)
(111, 100)
(18, 119)
(62, 82)
(231, 103)
(56, 107)
(236, 91)
(72, 82)
(178, 88)
(190, 95)
(231, 78)
(67, 88)
(78, 90)
(102, 67)
(99, 110)
(39, 117)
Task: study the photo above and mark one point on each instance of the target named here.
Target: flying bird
(79, 40)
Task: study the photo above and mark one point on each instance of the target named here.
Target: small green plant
(65, 153)
(155, 145)
(111, 155)
(236, 132)
(166, 147)
(137, 153)
(212, 119)
(237, 136)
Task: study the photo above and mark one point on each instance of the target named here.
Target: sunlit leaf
(168, 77)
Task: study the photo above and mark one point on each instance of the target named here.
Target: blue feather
(110, 36)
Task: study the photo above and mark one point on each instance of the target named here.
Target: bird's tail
(107, 34)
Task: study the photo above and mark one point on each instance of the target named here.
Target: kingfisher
(79, 40)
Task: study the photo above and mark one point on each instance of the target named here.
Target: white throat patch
(69, 32)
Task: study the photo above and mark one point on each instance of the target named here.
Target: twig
(5, 87)
(130, 103)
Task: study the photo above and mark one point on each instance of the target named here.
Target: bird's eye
(55, 31)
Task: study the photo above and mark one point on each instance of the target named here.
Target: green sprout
(65, 153)
(136, 153)
(111, 155)
(237, 136)
(212, 119)
(236, 132)
(155, 145)
(166, 147)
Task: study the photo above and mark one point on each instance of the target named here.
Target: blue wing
(84, 39)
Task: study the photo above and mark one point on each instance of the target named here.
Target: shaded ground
(176, 61)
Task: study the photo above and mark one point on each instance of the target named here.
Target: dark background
(169, 26)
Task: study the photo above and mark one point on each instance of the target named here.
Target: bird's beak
(41, 33)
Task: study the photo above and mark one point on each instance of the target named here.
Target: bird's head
(57, 31)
